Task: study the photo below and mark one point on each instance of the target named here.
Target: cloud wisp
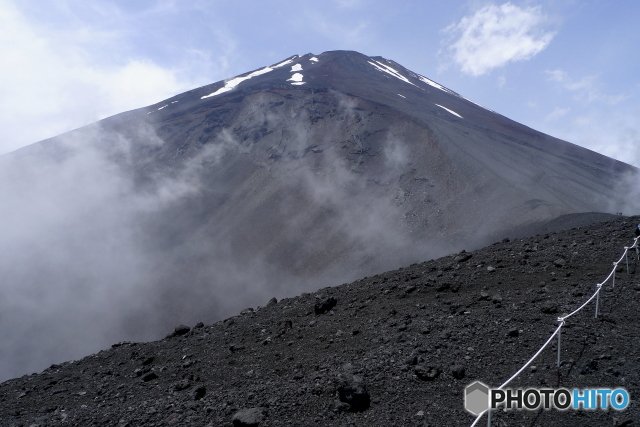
(113, 234)
(53, 80)
(495, 35)
(586, 89)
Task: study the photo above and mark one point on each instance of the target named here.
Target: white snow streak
(163, 107)
(439, 86)
(314, 59)
(402, 96)
(436, 85)
(237, 80)
(283, 63)
(451, 111)
(385, 68)
(298, 83)
(296, 67)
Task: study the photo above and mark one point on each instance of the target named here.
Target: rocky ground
(396, 349)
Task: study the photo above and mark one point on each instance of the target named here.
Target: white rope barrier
(562, 320)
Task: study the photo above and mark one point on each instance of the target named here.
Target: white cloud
(496, 35)
(348, 4)
(558, 113)
(52, 80)
(502, 82)
(586, 89)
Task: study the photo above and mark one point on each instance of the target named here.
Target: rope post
(489, 417)
(598, 299)
(626, 255)
(613, 283)
(559, 339)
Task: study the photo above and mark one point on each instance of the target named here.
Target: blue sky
(568, 68)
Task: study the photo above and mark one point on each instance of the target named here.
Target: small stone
(353, 390)
(462, 257)
(427, 373)
(559, 262)
(457, 371)
(180, 330)
(549, 308)
(181, 385)
(150, 376)
(491, 269)
(412, 361)
(513, 332)
(341, 406)
(324, 305)
(251, 417)
(199, 392)
(272, 301)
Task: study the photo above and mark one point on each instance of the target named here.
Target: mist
(101, 245)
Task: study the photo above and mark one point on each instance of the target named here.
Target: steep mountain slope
(311, 172)
(414, 337)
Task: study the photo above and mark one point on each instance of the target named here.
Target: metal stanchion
(559, 342)
(626, 255)
(615, 267)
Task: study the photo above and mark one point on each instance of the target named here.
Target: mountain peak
(312, 171)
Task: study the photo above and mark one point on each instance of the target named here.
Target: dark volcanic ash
(397, 348)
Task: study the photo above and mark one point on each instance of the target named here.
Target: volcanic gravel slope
(405, 335)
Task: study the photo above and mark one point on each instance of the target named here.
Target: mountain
(307, 173)
(414, 338)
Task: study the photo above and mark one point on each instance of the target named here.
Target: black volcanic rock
(296, 379)
(353, 391)
(324, 305)
(180, 330)
(214, 200)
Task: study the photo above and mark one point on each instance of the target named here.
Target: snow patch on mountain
(385, 68)
(436, 85)
(442, 88)
(297, 67)
(451, 111)
(313, 59)
(283, 63)
(229, 85)
(296, 79)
